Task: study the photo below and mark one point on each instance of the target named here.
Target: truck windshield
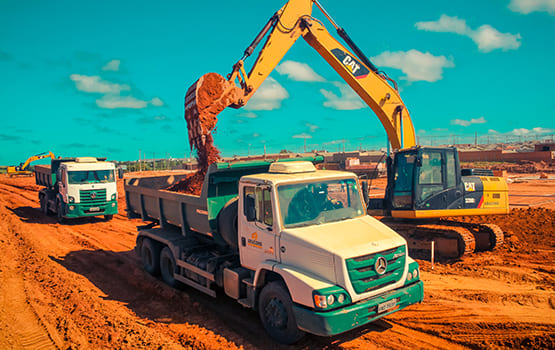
(90, 176)
(319, 202)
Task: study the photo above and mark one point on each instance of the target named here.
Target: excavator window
(404, 175)
(430, 179)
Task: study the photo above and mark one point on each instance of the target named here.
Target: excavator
(425, 184)
(21, 169)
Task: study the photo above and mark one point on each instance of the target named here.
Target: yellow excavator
(425, 184)
(21, 169)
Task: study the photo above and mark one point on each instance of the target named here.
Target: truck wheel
(227, 224)
(275, 308)
(43, 204)
(108, 217)
(150, 257)
(59, 212)
(167, 267)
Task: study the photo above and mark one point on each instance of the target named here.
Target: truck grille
(92, 197)
(362, 270)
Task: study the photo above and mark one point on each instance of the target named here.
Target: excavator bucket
(204, 100)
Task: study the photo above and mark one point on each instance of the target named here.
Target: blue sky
(108, 78)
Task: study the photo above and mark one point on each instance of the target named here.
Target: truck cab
(310, 227)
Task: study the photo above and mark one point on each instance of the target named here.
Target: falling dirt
(80, 286)
(204, 100)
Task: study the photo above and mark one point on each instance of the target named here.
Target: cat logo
(469, 186)
(351, 63)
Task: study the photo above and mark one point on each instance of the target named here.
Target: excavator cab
(422, 178)
(426, 178)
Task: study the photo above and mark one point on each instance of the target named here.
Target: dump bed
(44, 176)
(148, 199)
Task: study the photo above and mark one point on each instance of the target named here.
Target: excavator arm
(212, 93)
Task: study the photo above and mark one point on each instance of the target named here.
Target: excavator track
(488, 236)
(450, 242)
(452, 239)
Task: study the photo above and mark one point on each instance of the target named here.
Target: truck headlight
(72, 207)
(330, 297)
(71, 199)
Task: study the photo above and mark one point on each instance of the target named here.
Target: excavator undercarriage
(452, 239)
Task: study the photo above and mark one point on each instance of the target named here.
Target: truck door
(257, 240)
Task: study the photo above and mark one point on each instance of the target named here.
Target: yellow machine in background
(424, 183)
(22, 169)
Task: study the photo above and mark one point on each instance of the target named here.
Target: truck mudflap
(355, 315)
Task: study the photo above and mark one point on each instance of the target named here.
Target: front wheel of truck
(275, 308)
(167, 267)
(108, 217)
(150, 257)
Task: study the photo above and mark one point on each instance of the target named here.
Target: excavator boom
(212, 93)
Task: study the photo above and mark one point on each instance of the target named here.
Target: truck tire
(275, 309)
(59, 212)
(227, 223)
(43, 204)
(150, 257)
(168, 267)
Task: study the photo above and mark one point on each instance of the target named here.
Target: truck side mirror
(250, 209)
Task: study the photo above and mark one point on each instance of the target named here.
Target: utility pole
(140, 160)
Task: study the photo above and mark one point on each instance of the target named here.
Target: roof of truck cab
(89, 166)
(280, 178)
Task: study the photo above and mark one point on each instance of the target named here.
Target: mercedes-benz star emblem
(380, 265)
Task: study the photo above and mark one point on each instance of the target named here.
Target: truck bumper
(355, 315)
(77, 210)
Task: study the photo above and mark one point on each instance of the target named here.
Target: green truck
(281, 237)
(77, 187)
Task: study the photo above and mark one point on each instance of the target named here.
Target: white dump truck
(282, 238)
(78, 187)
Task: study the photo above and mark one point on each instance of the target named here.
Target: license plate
(387, 305)
(94, 209)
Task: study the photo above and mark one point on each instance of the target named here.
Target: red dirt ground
(79, 286)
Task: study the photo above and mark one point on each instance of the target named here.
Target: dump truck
(287, 240)
(77, 187)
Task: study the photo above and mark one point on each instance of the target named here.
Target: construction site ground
(80, 286)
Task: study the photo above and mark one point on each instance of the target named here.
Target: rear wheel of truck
(59, 212)
(167, 267)
(275, 309)
(150, 257)
(43, 204)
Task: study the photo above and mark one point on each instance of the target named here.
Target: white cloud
(113, 102)
(113, 65)
(347, 100)
(537, 130)
(416, 65)
(249, 115)
(94, 84)
(489, 39)
(312, 127)
(268, 97)
(491, 131)
(528, 6)
(302, 136)
(298, 71)
(463, 122)
(486, 37)
(156, 102)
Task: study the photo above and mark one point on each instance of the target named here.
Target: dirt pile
(204, 100)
